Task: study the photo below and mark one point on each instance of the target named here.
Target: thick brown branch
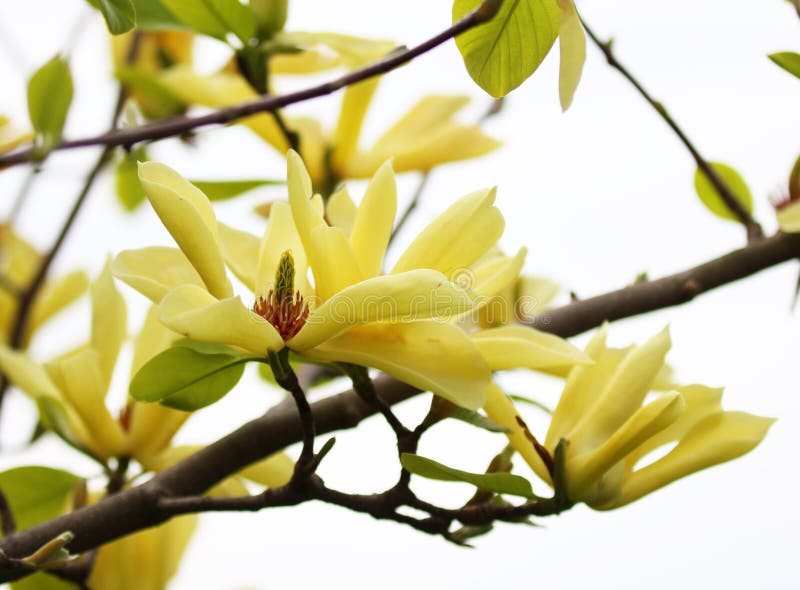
(138, 508)
(729, 198)
(177, 126)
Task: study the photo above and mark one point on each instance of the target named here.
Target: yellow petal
(187, 214)
(501, 410)
(516, 347)
(305, 214)
(449, 144)
(11, 137)
(534, 294)
(54, 296)
(717, 438)
(572, 44)
(789, 218)
(191, 311)
(27, 375)
(272, 472)
(152, 426)
(405, 297)
(313, 146)
(155, 271)
(584, 471)
(280, 235)
(429, 355)
(335, 265)
(429, 113)
(498, 273)
(109, 323)
(374, 220)
(80, 378)
(341, 211)
(240, 250)
(355, 103)
(353, 51)
(622, 395)
(456, 238)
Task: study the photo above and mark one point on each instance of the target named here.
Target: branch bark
(138, 508)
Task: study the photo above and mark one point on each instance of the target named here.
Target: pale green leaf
(220, 190)
(42, 581)
(152, 15)
(711, 198)
(501, 54)
(215, 18)
(49, 98)
(187, 379)
(36, 494)
(788, 60)
(500, 483)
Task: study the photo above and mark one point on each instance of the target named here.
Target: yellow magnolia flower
(156, 52)
(19, 262)
(788, 215)
(426, 136)
(71, 393)
(11, 137)
(352, 312)
(609, 428)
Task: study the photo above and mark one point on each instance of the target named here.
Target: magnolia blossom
(609, 426)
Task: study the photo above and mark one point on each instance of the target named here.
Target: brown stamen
(288, 314)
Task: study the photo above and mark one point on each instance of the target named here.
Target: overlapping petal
(155, 271)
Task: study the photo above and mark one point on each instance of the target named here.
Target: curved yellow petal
(155, 271)
(306, 216)
(240, 250)
(429, 355)
(355, 104)
(272, 472)
(83, 385)
(313, 146)
(340, 210)
(789, 217)
(191, 311)
(335, 265)
(501, 410)
(717, 438)
(280, 235)
(587, 477)
(187, 214)
(516, 347)
(54, 296)
(26, 374)
(572, 46)
(109, 322)
(622, 395)
(456, 238)
(491, 277)
(374, 221)
(429, 113)
(405, 297)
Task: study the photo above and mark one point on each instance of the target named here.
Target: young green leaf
(220, 190)
(476, 419)
(215, 18)
(187, 379)
(500, 483)
(501, 54)
(126, 179)
(120, 15)
(711, 198)
(788, 60)
(151, 15)
(49, 98)
(36, 494)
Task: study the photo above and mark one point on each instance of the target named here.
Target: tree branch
(754, 230)
(138, 508)
(179, 125)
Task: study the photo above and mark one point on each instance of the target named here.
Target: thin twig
(176, 126)
(733, 203)
(22, 195)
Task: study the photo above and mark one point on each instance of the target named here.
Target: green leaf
(41, 581)
(151, 15)
(187, 379)
(476, 419)
(120, 15)
(36, 494)
(500, 483)
(788, 60)
(220, 190)
(161, 101)
(501, 54)
(126, 179)
(49, 98)
(710, 197)
(215, 18)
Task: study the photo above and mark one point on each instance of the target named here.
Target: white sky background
(598, 195)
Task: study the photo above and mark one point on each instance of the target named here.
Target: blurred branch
(754, 230)
(176, 126)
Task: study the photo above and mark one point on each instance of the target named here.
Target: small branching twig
(754, 231)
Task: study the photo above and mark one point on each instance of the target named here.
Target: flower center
(286, 312)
